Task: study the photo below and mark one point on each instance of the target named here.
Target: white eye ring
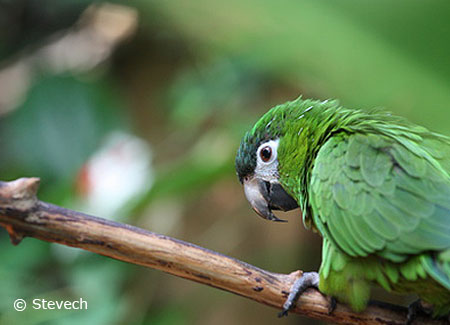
(267, 152)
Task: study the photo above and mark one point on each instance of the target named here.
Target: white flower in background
(119, 171)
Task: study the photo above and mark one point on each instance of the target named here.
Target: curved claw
(415, 308)
(282, 313)
(332, 305)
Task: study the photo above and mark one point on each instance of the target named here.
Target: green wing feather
(386, 196)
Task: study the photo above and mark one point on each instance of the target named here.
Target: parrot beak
(265, 197)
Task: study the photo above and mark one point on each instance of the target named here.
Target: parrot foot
(415, 308)
(308, 280)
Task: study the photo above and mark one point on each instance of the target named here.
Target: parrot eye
(265, 153)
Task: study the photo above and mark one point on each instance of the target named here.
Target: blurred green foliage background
(180, 82)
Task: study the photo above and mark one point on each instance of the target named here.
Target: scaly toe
(307, 280)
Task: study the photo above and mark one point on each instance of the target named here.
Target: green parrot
(374, 186)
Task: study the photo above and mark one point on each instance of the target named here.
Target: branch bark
(23, 215)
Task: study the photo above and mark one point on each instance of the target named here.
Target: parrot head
(276, 156)
(258, 163)
(261, 181)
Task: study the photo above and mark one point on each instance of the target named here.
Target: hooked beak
(265, 197)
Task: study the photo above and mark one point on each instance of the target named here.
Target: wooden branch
(22, 214)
